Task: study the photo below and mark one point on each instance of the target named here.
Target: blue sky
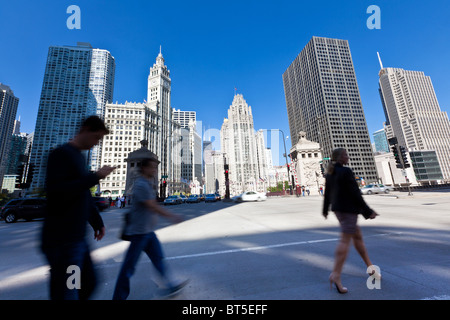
(211, 47)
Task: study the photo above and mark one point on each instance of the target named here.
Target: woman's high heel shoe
(375, 274)
(339, 287)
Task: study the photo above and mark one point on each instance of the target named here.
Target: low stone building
(134, 161)
(305, 169)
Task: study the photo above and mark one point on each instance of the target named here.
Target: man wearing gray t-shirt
(139, 230)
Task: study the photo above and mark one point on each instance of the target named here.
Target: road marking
(271, 246)
(111, 251)
(443, 297)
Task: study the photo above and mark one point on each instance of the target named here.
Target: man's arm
(96, 222)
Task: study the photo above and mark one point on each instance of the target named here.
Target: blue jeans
(60, 258)
(148, 243)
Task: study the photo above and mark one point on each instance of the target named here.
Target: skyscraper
(191, 146)
(381, 143)
(8, 110)
(158, 99)
(184, 117)
(239, 145)
(78, 82)
(322, 99)
(129, 124)
(413, 114)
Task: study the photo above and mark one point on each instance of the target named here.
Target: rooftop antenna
(379, 59)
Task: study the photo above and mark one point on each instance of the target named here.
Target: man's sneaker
(174, 290)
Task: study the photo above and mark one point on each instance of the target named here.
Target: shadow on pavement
(285, 265)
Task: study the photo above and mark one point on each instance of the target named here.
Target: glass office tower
(322, 99)
(78, 82)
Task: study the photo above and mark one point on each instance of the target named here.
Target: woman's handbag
(126, 220)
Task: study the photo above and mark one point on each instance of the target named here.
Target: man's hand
(104, 171)
(99, 234)
(175, 218)
(373, 215)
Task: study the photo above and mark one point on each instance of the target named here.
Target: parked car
(172, 200)
(101, 203)
(193, 198)
(250, 196)
(23, 208)
(376, 188)
(218, 198)
(183, 198)
(210, 197)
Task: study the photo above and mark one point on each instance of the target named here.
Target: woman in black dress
(342, 192)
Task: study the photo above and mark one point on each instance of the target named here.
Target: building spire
(159, 58)
(379, 59)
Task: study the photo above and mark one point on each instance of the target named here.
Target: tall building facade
(214, 172)
(413, 114)
(191, 146)
(17, 153)
(8, 110)
(129, 124)
(184, 118)
(261, 156)
(159, 100)
(323, 100)
(381, 142)
(239, 146)
(78, 82)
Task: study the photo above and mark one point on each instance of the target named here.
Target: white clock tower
(158, 99)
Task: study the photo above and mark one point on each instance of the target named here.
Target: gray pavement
(279, 249)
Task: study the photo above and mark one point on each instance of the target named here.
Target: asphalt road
(279, 249)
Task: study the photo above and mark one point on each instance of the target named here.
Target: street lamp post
(285, 157)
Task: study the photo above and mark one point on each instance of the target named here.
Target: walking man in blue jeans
(139, 230)
(69, 209)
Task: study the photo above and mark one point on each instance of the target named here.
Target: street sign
(326, 158)
(164, 177)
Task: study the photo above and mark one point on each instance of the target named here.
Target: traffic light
(404, 157)
(19, 178)
(29, 176)
(227, 182)
(398, 161)
(322, 170)
(225, 167)
(162, 189)
(164, 185)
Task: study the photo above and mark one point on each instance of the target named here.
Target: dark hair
(94, 124)
(335, 155)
